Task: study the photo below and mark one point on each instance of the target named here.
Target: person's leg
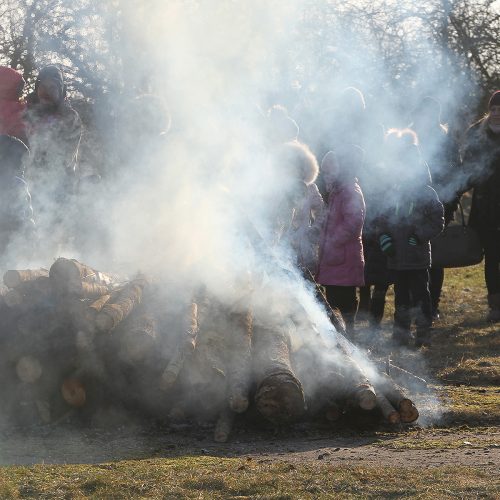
(402, 320)
(377, 305)
(344, 299)
(364, 301)
(491, 243)
(436, 278)
(419, 286)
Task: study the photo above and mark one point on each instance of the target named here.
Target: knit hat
(494, 99)
(51, 72)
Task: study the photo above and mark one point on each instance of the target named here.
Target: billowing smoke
(191, 186)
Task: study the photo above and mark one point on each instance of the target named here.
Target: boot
(423, 337)
(377, 309)
(494, 303)
(364, 303)
(401, 334)
(350, 318)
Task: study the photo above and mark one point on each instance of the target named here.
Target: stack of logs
(74, 340)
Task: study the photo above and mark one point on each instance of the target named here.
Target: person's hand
(387, 245)
(413, 240)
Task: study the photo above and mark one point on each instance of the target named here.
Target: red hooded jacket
(11, 108)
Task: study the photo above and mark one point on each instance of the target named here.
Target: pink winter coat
(341, 259)
(11, 108)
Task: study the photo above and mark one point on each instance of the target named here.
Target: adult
(12, 107)
(54, 132)
(481, 162)
(440, 152)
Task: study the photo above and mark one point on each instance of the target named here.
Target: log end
(104, 322)
(29, 369)
(408, 411)
(366, 397)
(73, 392)
(280, 398)
(333, 413)
(167, 380)
(238, 402)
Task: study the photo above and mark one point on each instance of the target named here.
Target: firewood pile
(74, 340)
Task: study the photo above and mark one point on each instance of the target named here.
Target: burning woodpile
(74, 340)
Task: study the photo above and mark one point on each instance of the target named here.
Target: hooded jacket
(341, 259)
(11, 107)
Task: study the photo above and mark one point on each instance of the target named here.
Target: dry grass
(209, 478)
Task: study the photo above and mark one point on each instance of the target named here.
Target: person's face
(49, 92)
(495, 116)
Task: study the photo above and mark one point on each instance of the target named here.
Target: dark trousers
(411, 290)
(345, 300)
(436, 278)
(491, 245)
(372, 300)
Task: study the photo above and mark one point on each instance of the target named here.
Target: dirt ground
(430, 447)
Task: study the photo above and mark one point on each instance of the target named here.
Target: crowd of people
(360, 220)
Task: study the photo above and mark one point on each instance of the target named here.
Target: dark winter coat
(481, 162)
(417, 213)
(11, 107)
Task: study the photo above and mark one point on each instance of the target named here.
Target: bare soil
(479, 448)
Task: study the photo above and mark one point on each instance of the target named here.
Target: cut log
(13, 278)
(138, 341)
(397, 396)
(333, 412)
(387, 410)
(73, 392)
(29, 294)
(29, 369)
(279, 396)
(357, 384)
(183, 350)
(224, 426)
(113, 313)
(239, 371)
(70, 277)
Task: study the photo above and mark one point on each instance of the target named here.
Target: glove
(413, 240)
(386, 245)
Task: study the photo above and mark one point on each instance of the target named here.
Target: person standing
(341, 261)
(412, 217)
(481, 163)
(54, 131)
(12, 107)
(440, 152)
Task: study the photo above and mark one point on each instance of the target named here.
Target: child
(341, 262)
(306, 204)
(12, 108)
(412, 216)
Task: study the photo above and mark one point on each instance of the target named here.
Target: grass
(209, 477)
(464, 364)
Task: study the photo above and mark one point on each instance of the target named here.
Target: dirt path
(478, 450)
